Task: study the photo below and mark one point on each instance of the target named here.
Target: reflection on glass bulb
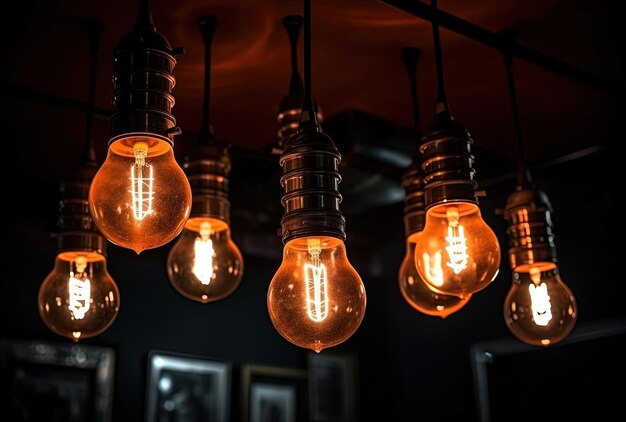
(140, 198)
(205, 265)
(316, 299)
(539, 309)
(458, 254)
(420, 295)
(79, 299)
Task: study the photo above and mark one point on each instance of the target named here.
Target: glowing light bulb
(458, 254)
(539, 309)
(140, 198)
(79, 299)
(418, 293)
(205, 265)
(316, 299)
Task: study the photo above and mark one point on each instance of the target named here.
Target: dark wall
(411, 365)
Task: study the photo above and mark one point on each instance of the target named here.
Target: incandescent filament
(539, 298)
(142, 181)
(203, 260)
(457, 243)
(315, 277)
(79, 289)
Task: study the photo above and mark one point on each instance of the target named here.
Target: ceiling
(357, 67)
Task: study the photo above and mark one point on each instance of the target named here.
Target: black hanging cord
(144, 17)
(442, 101)
(411, 55)
(307, 118)
(93, 27)
(207, 27)
(523, 175)
(293, 24)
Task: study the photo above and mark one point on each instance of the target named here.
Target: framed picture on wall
(50, 381)
(273, 394)
(187, 388)
(333, 387)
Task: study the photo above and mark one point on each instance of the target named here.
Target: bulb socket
(310, 162)
(143, 84)
(208, 171)
(531, 240)
(289, 119)
(77, 231)
(414, 205)
(447, 163)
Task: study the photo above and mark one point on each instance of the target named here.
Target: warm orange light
(420, 295)
(79, 299)
(140, 198)
(458, 254)
(316, 299)
(205, 265)
(539, 309)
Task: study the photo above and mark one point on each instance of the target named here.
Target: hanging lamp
(316, 299)
(539, 309)
(140, 198)
(458, 254)
(205, 265)
(79, 299)
(415, 291)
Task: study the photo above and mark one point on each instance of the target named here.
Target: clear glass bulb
(140, 198)
(316, 299)
(79, 299)
(420, 295)
(458, 254)
(539, 308)
(205, 265)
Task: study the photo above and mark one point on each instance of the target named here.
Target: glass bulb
(316, 299)
(205, 265)
(420, 295)
(79, 299)
(539, 309)
(458, 254)
(140, 198)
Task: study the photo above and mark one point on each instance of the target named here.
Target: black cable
(442, 102)
(207, 27)
(307, 118)
(523, 175)
(93, 27)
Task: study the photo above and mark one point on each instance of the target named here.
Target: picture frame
(186, 387)
(73, 382)
(333, 387)
(271, 394)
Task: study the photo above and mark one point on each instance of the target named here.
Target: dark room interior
(167, 357)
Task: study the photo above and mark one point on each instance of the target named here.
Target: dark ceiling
(357, 69)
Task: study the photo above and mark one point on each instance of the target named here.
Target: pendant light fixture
(140, 198)
(205, 265)
(316, 299)
(415, 291)
(539, 309)
(291, 105)
(79, 299)
(458, 254)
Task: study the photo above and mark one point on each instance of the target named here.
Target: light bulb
(205, 265)
(316, 299)
(79, 299)
(458, 254)
(419, 294)
(539, 308)
(140, 198)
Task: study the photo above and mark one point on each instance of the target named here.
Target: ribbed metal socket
(414, 206)
(310, 163)
(77, 231)
(143, 84)
(447, 162)
(531, 240)
(208, 170)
